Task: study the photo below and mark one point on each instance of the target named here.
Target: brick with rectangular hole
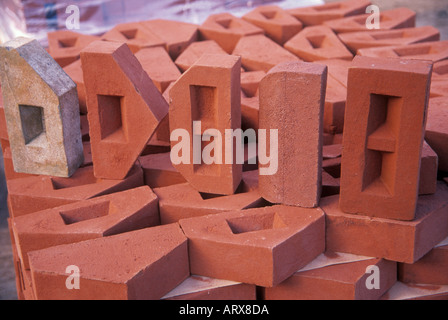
(159, 66)
(41, 109)
(292, 96)
(135, 35)
(124, 107)
(318, 43)
(437, 129)
(205, 288)
(416, 291)
(227, 30)
(370, 39)
(384, 129)
(277, 23)
(395, 240)
(431, 269)
(139, 265)
(433, 51)
(336, 276)
(259, 53)
(209, 93)
(389, 19)
(86, 219)
(181, 201)
(65, 46)
(316, 15)
(28, 195)
(195, 51)
(262, 246)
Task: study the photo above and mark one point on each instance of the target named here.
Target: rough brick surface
(195, 51)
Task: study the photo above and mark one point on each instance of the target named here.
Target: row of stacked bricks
(357, 207)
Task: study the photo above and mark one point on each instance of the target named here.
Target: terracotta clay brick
(195, 51)
(41, 109)
(401, 241)
(204, 288)
(209, 92)
(335, 276)
(33, 194)
(138, 265)
(158, 170)
(250, 107)
(277, 23)
(292, 96)
(428, 170)
(386, 110)
(227, 30)
(74, 71)
(337, 69)
(438, 87)
(369, 39)
(440, 70)
(402, 291)
(432, 51)
(330, 185)
(315, 15)
(250, 82)
(177, 35)
(65, 46)
(431, 269)
(259, 53)
(159, 66)
(389, 19)
(437, 130)
(262, 246)
(155, 146)
(94, 218)
(124, 107)
(182, 201)
(318, 43)
(135, 35)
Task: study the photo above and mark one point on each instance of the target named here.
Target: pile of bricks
(357, 208)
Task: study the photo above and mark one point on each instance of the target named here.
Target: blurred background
(34, 18)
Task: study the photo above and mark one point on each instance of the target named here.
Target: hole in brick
(33, 124)
(227, 23)
(317, 41)
(388, 35)
(110, 110)
(73, 181)
(129, 34)
(253, 223)
(382, 128)
(403, 52)
(67, 43)
(242, 188)
(87, 213)
(327, 7)
(269, 14)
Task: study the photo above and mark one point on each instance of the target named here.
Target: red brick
(438, 87)
(383, 114)
(401, 241)
(94, 218)
(182, 201)
(259, 53)
(125, 108)
(227, 30)
(389, 19)
(402, 291)
(437, 129)
(335, 276)
(74, 70)
(138, 265)
(292, 96)
(277, 23)
(159, 66)
(135, 35)
(65, 46)
(315, 15)
(431, 269)
(440, 70)
(204, 288)
(428, 170)
(250, 82)
(195, 51)
(156, 146)
(261, 246)
(369, 39)
(33, 194)
(158, 170)
(250, 107)
(433, 51)
(177, 35)
(318, 43)
(330, 184)
(209, 92)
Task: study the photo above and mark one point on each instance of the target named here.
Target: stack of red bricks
(357, 208)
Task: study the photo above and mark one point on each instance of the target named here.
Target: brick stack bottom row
(353, 203)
